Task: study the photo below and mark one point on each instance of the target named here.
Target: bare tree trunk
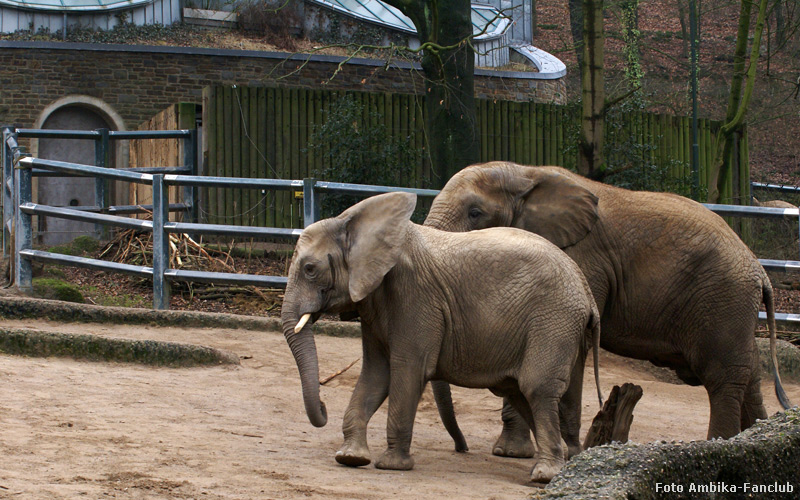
(742, 85)
(590, 158)
(613, 422)
(448, 61)
(682, 16)
(576, 27)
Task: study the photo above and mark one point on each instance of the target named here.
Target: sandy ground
(71, 429)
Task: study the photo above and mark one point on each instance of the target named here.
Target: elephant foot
(513, 446)
(395, 460)
(544, 470)
(353, 456)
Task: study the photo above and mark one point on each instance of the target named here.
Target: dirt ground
(71, 429)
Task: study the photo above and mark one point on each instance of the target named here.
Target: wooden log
(613, 422)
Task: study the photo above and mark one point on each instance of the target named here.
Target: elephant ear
(375, 231)
(558, 208)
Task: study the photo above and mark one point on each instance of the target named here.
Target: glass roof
(484, 17)
(72, 5)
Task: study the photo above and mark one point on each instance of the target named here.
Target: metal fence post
(8, 191)
(161, 287)
(100, 154)
(23, 239)
(310, 202)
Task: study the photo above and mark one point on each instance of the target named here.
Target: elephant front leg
(515, 440)
(370, 392)
(405, 391)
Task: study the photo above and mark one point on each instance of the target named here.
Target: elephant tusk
(302, 322)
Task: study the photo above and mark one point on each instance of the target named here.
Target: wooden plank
(526, 133)
(243, 167)
(237, 120)
(271, 154)
(497, 130)
(560, 135)
(262, 170)
(294, 149)
(286, 161)
(209, 144)
(227, 209)
(280, 159)
(304, 96)
(254, 195)
(505, 114)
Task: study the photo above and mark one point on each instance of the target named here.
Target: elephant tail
(444, 402)
(594, 325)
(769, 305)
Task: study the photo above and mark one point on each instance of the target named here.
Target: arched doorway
(70, 114)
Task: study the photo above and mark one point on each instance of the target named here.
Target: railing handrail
(776, 187)
(97, 135)
(161, 226)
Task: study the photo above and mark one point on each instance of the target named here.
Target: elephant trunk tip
(318, 418)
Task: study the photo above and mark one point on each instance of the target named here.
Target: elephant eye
(474, 213)
(310, 269)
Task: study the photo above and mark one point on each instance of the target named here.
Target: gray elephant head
(338, 262)
(539, 199)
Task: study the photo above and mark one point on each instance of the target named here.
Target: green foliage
(81, 245)
(56, 289)
(630, 163)
(116, 299)
(357, 148)
(631, 36)
(85, 244)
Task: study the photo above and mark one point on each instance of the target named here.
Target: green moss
(54, 272)
(56, 289)
(85, 244)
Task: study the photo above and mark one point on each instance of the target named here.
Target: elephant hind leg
(569, 409)
(753, 404)
(726, 410)
(515, 439)
(539, 406)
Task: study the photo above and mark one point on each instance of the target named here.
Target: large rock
(761, 462)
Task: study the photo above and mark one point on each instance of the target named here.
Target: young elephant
(460, 307)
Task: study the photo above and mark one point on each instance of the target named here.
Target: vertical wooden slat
(271, 155)
(210, 146)
(261, 169)
(281, 197)
(244, 162)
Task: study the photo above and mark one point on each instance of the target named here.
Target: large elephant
(434, 305)
(674, 283)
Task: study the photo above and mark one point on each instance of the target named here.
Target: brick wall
(140, 81)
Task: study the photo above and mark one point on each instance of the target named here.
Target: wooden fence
(265, 132)
(160, 152)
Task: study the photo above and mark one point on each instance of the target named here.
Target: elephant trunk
(443, 220)
(304, 350)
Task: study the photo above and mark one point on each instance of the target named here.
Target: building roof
(74, 5)
(487, 22)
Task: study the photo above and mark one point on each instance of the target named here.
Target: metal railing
(21, 168)
(18, 199)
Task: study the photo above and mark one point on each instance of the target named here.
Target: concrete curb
(13, 307)
(28, 342)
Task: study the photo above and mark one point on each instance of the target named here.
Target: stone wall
(139, 81)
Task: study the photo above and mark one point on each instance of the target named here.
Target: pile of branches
(136, 248)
